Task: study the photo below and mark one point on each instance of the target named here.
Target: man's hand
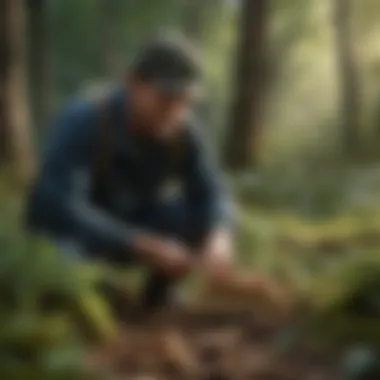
(216, 255)
(167, 255)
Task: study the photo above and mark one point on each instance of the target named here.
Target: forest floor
(223, 345)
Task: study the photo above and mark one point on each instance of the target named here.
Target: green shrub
(49, 307)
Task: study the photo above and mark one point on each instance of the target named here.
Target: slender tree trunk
(40, 62)
(4, 65)
(348, 76)
(15, 146)
(246, 114)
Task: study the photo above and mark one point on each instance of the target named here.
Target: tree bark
(15, 148)
(242, 140)
(4, 64)
(348, 76)
(40, 62)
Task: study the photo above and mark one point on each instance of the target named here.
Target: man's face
(156, 112)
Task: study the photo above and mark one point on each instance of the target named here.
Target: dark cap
(170, 62)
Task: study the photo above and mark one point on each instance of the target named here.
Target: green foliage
(77, 35)
(328, 247)
(49, 307)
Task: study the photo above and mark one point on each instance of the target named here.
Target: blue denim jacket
(60, 202)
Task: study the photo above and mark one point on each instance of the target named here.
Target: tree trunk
(40, 62)
(349, 81)
(250, 79)
(15, 146)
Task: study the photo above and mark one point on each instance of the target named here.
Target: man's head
(162, 81)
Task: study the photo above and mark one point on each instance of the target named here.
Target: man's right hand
(167, 255)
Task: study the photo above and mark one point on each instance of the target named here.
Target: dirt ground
(223, 345)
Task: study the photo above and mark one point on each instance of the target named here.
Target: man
(127, 179)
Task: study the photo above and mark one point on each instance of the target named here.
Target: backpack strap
(103, 156)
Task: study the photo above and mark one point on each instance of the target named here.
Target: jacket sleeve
(210, 203)
(60, 202)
